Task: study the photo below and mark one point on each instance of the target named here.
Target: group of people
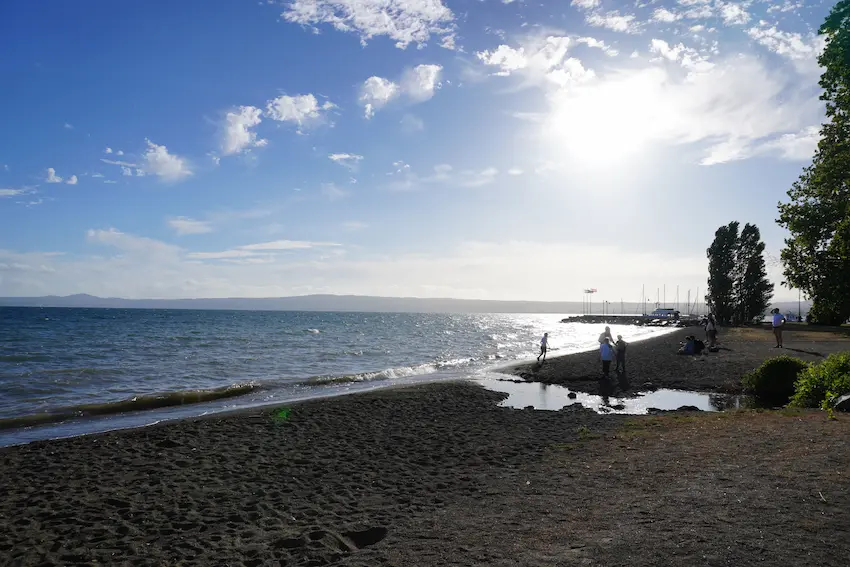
(609, 351)
(615, 351)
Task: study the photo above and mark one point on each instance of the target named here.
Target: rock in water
(572, 395)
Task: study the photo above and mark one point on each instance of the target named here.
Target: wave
(386, 374)
(137, 403)
(313, 331)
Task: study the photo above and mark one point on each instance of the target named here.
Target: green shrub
(774, 380)
(820, 384)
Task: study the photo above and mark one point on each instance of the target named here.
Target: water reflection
(611, 397)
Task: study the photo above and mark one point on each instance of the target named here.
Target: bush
(774, 380)
(820, 384)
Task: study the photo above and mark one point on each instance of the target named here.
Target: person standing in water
(778, 323)
(544, 346)
(606, 354)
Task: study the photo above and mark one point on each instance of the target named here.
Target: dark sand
(655, 360)
(436, 475)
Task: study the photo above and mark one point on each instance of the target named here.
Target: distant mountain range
(357, 303)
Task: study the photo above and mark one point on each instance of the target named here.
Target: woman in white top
(711, 331)
(778, 323)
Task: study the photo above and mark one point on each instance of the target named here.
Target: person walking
(621, 353)
(606, 335)
(544, 347)
(606, 355)
(778, 324)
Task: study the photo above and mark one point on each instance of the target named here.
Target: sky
(427, 148)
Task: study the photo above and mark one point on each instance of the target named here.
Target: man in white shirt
(544, 346)
(778, 324)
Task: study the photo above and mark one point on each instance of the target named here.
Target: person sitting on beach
(544, 346)
(621, 353)
(606, 335)
(778, 323)
(606, 355)
(689, 346)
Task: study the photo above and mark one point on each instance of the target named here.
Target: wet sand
(654, 361)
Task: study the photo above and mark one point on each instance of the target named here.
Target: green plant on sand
(774, 380)
(820, 384)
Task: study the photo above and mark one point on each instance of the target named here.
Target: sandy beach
(439, 475)
(655, 361)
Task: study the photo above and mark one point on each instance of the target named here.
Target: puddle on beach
(553, 397)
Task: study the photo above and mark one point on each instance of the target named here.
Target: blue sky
(397, 147)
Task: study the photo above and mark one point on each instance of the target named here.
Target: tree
(816, 257)
(752, 290)
(721, 265)
(738, 288)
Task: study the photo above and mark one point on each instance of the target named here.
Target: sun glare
(607, 122)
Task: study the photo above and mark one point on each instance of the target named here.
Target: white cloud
(71, 180)
(126, 171)
(110, 181)
(599, 44)
(237, 134)
(515, 171)
(420, 82)
(11, 192)
(733, 14)
(687, 57)
(797, 146)
(163, 164)
(68, 126)
(287, 245)
(300, 109)
(97, 175)
(108, 150)
(52, 177)
(375, 93)
(417, 84)
(614, 21)
(540, 60)
(472, 178)
(346, 160)
(186, 225)
(140, 173)
(261, 250)
(119, 153)
(803, 50)
(665, 15)
(586, 4)
(466, 269)
(405, 21)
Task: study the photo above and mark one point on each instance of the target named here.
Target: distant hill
(357, 303)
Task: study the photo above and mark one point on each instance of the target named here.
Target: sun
(606, 123)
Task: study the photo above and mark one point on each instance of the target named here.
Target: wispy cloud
(332, 192)
(349, 161)
(185, 225)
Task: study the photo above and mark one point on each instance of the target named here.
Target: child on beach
(544, 346)
(606, 354)
(621, 353)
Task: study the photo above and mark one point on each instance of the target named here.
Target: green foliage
(282, 415)
(816, 257)
(820, 384)
(721, 265)
(773, 382)
(738, 288)
(752, 289)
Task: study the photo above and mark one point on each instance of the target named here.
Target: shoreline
(652, 363)
(436, 474)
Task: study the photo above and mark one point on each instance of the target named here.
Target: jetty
(639, 320)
